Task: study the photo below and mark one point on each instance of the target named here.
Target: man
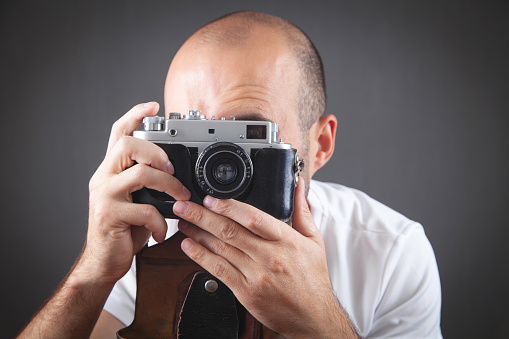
(378, 264)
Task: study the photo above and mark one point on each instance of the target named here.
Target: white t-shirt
(381, 265)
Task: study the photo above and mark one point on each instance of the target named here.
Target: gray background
(419, 88)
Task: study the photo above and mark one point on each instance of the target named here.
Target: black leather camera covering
(271, 190)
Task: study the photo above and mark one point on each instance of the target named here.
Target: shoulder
(354, 209)
(351, 222)
(381, 264)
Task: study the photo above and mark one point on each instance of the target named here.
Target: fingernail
(209, 202)
(169, 168)
(186, 192)
(149, 104)
(187, 244)
(181, 207)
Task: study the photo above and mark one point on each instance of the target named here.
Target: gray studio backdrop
(420, 90)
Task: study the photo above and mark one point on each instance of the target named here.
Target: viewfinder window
(256, 131)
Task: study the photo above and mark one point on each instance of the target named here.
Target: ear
(321, 142)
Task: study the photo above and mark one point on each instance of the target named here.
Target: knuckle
(101, 212)
(118, 127)
(277, 265)
(139, 171)
(255, 221)
(228, 231)
(198, 255)
(219, 247)
(149, 212)
(96, 196)
(265, 284)
(124, 142)
(219, 269)
(293, 247)
(257, 292)
(96, 179)
(195, 215)
(278, 233)
(224, 207)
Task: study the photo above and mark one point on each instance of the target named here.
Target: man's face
(255, 81)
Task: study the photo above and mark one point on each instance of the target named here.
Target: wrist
(90, 273)
(340, 325)
(329, 320)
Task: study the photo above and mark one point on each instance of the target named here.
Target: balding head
(236, 29)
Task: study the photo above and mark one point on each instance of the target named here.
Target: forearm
(73, 309)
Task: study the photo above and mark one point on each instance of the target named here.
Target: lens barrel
(224, 170)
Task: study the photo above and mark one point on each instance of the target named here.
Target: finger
(302, 219)
(221, 227)
(140, 236)
(145, 216)
(130, 121)
(129, 150)
(139, 176)
(237, 258)
(214, 264)
(258, 222)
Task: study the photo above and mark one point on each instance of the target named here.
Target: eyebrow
(251, 117)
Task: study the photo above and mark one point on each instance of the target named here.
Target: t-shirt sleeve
(122, 298)
(410, 303)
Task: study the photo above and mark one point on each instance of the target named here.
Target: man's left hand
(277, 272)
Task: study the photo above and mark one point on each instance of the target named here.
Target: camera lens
(224, 171)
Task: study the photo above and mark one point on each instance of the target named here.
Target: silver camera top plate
(194, 130)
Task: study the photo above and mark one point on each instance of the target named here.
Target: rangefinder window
(256, 131)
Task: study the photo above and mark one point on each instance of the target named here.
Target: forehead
(257, 80)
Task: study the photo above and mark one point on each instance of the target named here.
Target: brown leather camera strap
(177, 298)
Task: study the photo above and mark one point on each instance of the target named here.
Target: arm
(261, 259)
(117, 229)
(72, 310)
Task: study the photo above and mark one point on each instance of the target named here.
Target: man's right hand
(118, 228)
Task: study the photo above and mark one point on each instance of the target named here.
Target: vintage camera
(224, 158)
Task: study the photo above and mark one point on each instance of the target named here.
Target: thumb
(302, 220)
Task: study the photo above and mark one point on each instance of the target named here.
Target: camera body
(236, 159)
